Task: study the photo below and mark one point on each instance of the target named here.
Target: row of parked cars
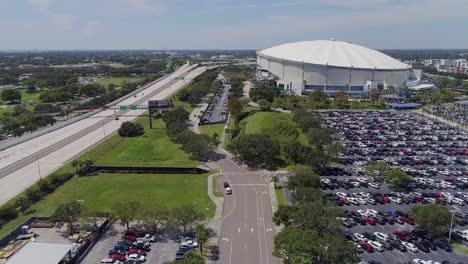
(457, 112)
(132, 248)
(217, 102)
(432, 153)
(188, 243)
(403, 241)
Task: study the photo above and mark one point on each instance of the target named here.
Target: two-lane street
(247, 229)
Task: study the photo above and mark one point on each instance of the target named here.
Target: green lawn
(268, 122)
(154, 148)
(102, 191)
(4, 110)
(460, 248)
(118, 80)
(177, 103)
(215, 191)
(30, 97)
(211, 129)
(280, 197)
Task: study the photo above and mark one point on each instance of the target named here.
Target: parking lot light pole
(39, 168)
(206, 209)
(451, 226)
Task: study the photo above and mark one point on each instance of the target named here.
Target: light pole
(206, 209)
(39, 168)
(451, 226)
(104, 130)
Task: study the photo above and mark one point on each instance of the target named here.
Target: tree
(318, 98)
(374, 95)
(264, 105)
(90, 217)
(321, 137)
(190, 258)
(67, 213)
(126, 212)
(278, 102)
(256, 149)
(397, 178)
(23, 203)
(11, 95)
(235, 106)
(432, 217)
(202, 233)
(306, 120)
(304, 178)
(200, 146)
(292, 242)
(377, 167)
(185, 216)
(55, 95)
(341, 98)
(155, 216)
(129, 129)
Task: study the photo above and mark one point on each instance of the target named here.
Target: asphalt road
(5, 171)
(219, 106)
(247, 229)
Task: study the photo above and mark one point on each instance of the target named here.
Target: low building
(42, 253)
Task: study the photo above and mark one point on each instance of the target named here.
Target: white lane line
(258, 222)
(264, 233)
(251, 230)
(238, 229)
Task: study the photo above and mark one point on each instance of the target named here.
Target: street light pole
(39, 168)
(451, 226)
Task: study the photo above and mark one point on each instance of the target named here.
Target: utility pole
(451, 226)
(39, 168)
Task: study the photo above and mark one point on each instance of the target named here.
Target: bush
(7, 213)
(45, 186)
(60, 178)
(129, 129)
(33, 194)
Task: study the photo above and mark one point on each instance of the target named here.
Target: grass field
(280, 197)
(30, 97)
(211, 129)
(268, 121)
(118, 80)
(178, 103)
(153, 149)
(102, 191)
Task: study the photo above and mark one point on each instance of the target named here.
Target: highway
(24, 164)
(247, 230)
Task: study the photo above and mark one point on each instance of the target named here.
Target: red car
(129, 237)
(408, 220)
(343, 201)
(136, 251)
(366, 247)
(386, 199)
(402, 236)
(118, 257)
(133, 232)
(370, 221)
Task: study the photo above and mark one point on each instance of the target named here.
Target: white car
(396, 200)
(418, 261)
(376, 245)
(353, 200)
(110, 261)
(136, 257)
(362, 212)
(361, 201)
(359, 237)
(371, 212)
(381, 236)
(150, 238)
(374, 185)
(458, 201)
(410, 247)
(341, 195)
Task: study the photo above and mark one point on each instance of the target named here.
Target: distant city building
(448, 65)
(332, 66)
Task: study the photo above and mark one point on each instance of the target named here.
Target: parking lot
(217, 111)
(161, 251)
(456, 112)
(433, 154)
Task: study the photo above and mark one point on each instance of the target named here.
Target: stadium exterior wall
(303, 77)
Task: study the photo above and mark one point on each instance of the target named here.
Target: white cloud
(60, 22)
(143, 6)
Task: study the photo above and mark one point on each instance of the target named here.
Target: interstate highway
(24, 164)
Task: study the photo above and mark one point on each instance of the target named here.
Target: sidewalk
(195, 115)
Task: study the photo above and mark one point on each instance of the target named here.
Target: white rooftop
(334, 53)
(40, 253)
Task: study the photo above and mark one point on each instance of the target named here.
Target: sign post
(157, 105)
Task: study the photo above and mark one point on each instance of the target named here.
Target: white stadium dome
(332, 66)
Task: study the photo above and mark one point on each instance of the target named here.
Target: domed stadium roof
(335, 54)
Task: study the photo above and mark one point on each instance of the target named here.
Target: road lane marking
(259, 239)
(269, 230)
(264, 233)
(225, 239)
(239, 229)
(251, 230)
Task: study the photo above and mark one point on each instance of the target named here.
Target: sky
(229, 24)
